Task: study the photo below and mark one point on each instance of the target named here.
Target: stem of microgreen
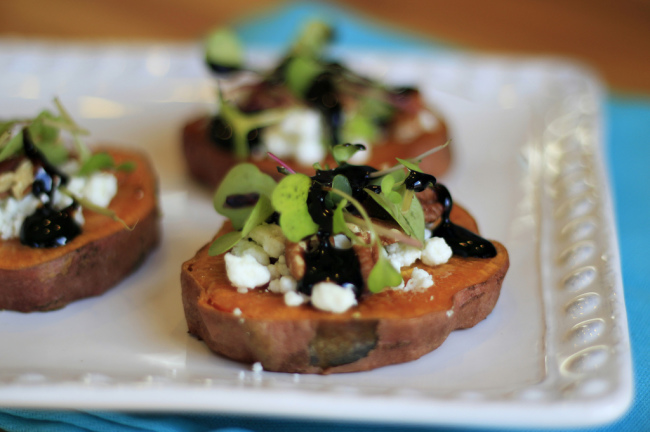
(87, 204)
(416, 159)
(281, 162)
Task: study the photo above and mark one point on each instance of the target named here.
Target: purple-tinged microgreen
(282, 163)
(290, 200)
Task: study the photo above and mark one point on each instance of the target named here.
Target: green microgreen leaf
(224, 243)
(223, 47)
(96, 162)
(359, 127)
(40, 132)
(243, 179)
(409, 164)
(83, 152)
(261, 212)
(13, 146)
(341, 183)
(339, 224)
(128, 166)
(290, 200)
(55, 154)
(383, 275)
(343, 152)
(313, 39)
(300, 74)
(416, 159)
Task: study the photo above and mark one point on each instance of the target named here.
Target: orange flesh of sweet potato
(105, 252)
(385, 328)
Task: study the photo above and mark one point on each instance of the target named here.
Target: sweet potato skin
(387, 328)
(209, 163)
(101, 256)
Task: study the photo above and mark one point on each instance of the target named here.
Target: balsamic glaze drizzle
(462, 241)
(47, 227)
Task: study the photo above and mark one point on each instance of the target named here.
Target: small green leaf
(383, 275)
(387, 183)
(223, 47)
(13, 146)
(301, 72)
(341, 183)
(241, 180)
(55, 154)
(40, 132)
(261, 212)
(359, 127)
(343, 152)
(313, 39)
(128, 166)
(97, 162)
(224, 243)
(410, 165)
(290, 200)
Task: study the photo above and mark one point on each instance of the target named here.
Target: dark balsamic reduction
(323, 96)
(418, 181)
(220, 69)
(46, 227)
(241, 200)
(462, 241)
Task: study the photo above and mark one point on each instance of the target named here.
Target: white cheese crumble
(245, 272)
(420, 280)
(99, 188)
(402, 255)
(283, 285)
(270, 237)
(341, 241)
(245, 247)
(299, 136)
(330, 297)
(293, 298)
(436, 251)
(257, 367)
(236, 312)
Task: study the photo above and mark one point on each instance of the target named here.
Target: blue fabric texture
(628, 153)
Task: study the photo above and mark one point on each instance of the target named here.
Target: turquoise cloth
(628, 154)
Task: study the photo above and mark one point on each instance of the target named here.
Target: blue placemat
(628, 151)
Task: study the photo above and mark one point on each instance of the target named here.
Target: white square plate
(527, 147)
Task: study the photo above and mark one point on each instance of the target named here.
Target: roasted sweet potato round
(209, 163)
(386, 328)
(34, 279)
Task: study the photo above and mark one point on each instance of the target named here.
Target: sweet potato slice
(33, 279)
(386, 328)
(209, 163)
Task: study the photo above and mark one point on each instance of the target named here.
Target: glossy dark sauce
(462, 241)
(324, 262)
(323, 95)
(222, 70)
(47, 227)
(241, 200)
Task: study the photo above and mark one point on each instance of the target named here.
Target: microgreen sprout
(409, 163)
(87, 204)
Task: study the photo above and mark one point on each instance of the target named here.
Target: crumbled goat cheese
(236, 312)
(99, 188)
(245, 272)
(283, 284)
(257, 367)
(420, 280)
(341, 241)
(245, 247)
(436, 251)
(330, 297)
(270, 237)
(427, 120)
(293, 298)
(298, 135)
(279, 268)
(401, 255)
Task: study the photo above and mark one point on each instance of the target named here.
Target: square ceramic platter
(528, 163)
